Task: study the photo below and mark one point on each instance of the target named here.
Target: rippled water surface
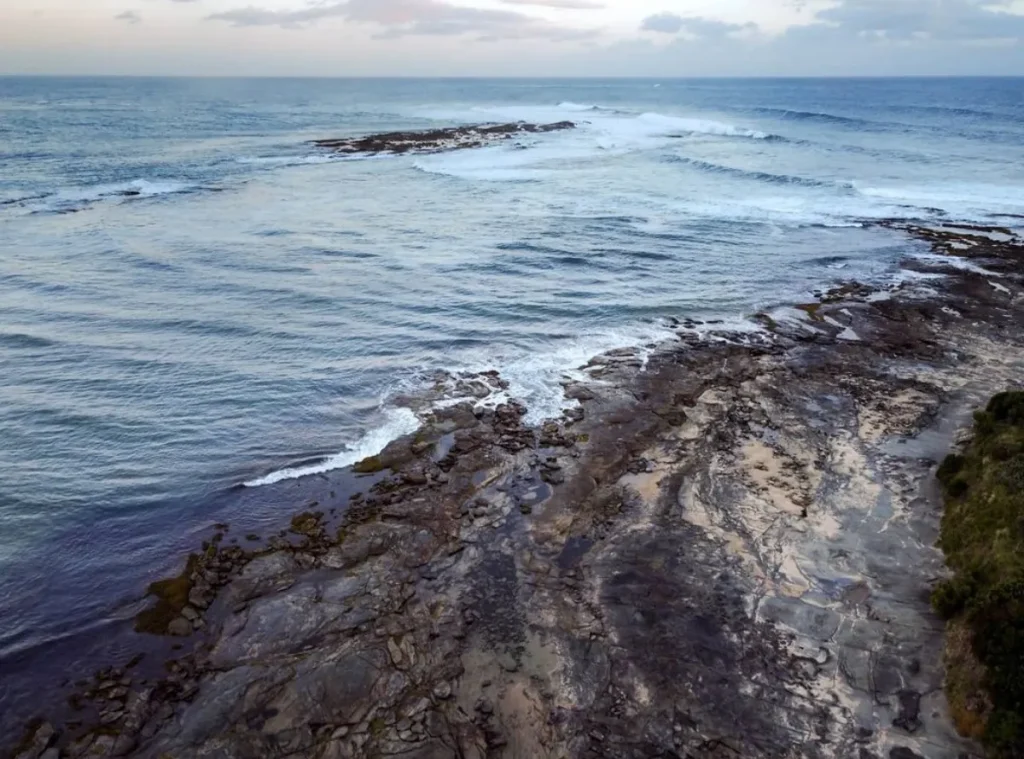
(197, 307)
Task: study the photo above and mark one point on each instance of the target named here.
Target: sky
(658, 38)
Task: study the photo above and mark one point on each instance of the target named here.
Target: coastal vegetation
(983, 539)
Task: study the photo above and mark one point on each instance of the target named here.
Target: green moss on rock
(171, 597)
(307, 523)
(983, 538)
(812, 309)
(369, 465)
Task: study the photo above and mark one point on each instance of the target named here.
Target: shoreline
(656, 572)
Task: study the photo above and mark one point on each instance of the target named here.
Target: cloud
(252, 16)
(129, 17)
(576, 5)
(666, 23)
(951, 20)
(401, 18)
(670, 23)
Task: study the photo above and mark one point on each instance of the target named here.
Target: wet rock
(910, 710)
(179, 627)
(41, 738)
(902, 752)
(435, 140)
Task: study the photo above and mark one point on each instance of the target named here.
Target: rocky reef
(438, 140)
(726, 549)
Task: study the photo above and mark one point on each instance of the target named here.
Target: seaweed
(812, 309)
(983, 538)
(171, 597)
(369, 465)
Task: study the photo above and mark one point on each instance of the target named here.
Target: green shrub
(983, 538)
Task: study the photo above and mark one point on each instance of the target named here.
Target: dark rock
(436, 140)
(902, 752)
(179, 627)
(910, 711)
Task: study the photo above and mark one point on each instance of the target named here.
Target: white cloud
(695, 26)
(399, 18)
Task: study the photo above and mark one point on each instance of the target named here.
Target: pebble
(179, 627)
(443, 690)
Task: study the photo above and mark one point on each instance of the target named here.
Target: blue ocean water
(199, 312)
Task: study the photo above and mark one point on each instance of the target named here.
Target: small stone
(197, 598)
(418, 707)
(484, 706)
(124, 745)
(102, 745)
(443, 690)
(341, 732)
(179, 627)
(395, 652)
(190, 614)
(404, 725)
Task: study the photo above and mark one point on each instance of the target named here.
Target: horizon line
(14, 75)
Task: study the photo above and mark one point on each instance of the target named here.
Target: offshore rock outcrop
(437, 140)
(725, 551)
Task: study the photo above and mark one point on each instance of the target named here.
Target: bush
(983, 538)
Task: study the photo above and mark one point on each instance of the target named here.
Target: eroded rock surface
(725, 551)
(437, 140)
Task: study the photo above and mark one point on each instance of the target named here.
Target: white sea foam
(77, 197)
(955, 262)
(600, 135)
(536, 378)
(969, 201)
(499, 163)
(304, 160)
(568, 105)
(145, 188)
(603, 131)
(660, 124)
(396, 422)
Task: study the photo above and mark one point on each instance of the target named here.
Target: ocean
(201, 313)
